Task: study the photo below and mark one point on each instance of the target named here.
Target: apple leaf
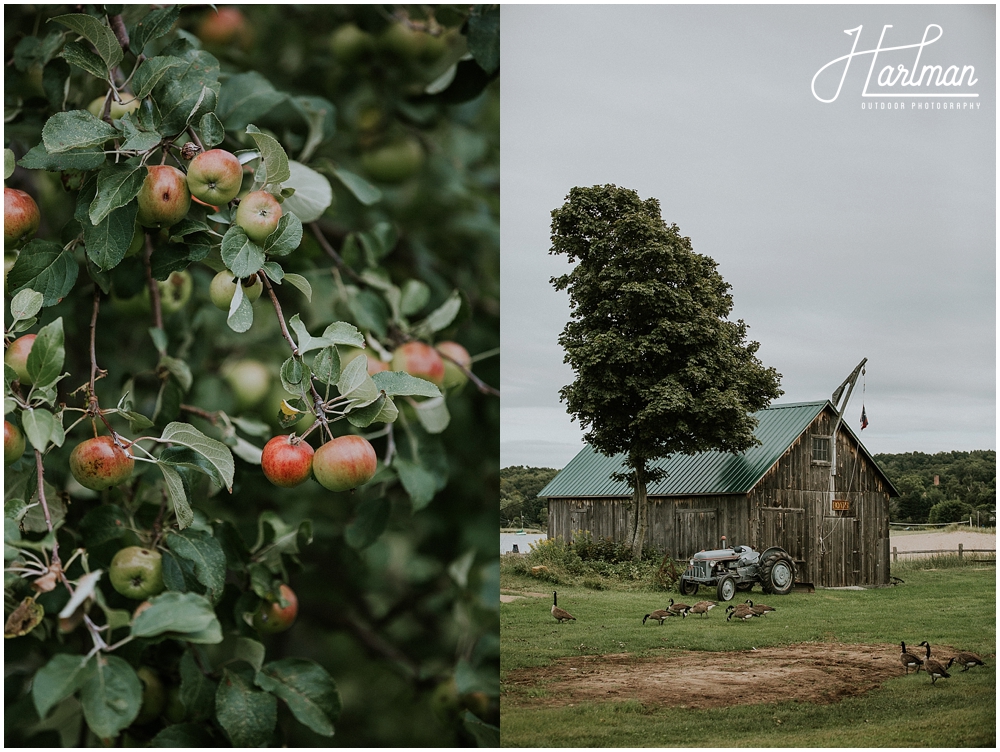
(308, 690)
(95, 32)
(151, 71)
(57, 680)
(45, 267)
(181, 614)
(240, 317)
(433, 414)
(45, 361)
(419, 483)
(364, 415)
(355, 382)
(402, 384)
(75, 129)
(38, 158)
(272, 155)
(246, 97)
(80, 56)
(484, 36)
(177, 495)
(326, 365)
(152, 26)
(313, 194)
(247, 715)
(25, 305)
(300, 283)
(206, 554)
(111, 696)
(286, 237)
(241, 255)
(190, 91)
(362, 190)
(197, 690)
(8, 163)
(212, 131)
(108, 241)
(342, 333)
(306, 341)
(369, 523)
(215, 452)
(440, 317)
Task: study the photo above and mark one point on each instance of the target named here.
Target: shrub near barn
(194, 251)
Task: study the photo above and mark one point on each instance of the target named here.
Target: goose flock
(934, 668)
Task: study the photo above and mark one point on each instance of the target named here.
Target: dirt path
(815, 673)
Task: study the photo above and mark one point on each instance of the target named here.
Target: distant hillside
(969, 478)
(519, 487)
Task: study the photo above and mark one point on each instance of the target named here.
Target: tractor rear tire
(726, 588)
(687, 587)
(777, 573)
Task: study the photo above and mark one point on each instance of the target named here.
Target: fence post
(895, 554)
(959, 551)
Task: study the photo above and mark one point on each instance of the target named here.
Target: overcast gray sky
(845, 232)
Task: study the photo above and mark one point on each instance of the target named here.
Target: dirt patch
(911, 541)
(815, 673)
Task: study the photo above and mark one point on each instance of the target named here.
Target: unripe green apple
(175, 712)
(223, 288)
(344, 463)
(13, 443)
(17, 357)
(175, 291)
(154, 696)
(138, 241)
(403, 41)
(20, 217)
(395, 161)
(287, 462)
(99, 463)
(215, 177)
(164, 198)
(258, 214)
(137, 572)
(420, 360)
(250, 381)
(118, 111)
(454, 376)
(271, 618)
(348, 43)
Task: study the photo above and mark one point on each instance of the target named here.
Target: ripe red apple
(258, 215)
(99, 463)
(215, 177)
(164, 198)
(454, 377)
(225, 26)
(137, 572)
(20, 217)
(223, 288)
(17, 356)
(287, 462)
(271, 618)
(13, 443)
(419, 359)
(344, 463)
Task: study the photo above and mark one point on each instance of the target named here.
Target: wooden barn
(777, 494)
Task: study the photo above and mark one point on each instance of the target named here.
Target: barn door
(783, 527)
(697, 530)
(841, 558)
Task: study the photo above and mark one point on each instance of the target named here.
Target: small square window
(821, 449)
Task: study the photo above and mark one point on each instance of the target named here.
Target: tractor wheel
(726, 588)
(687, 587)
(777, 573)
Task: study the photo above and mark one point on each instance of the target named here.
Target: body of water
(523, 542)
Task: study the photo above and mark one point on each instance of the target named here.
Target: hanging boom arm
(839, 409)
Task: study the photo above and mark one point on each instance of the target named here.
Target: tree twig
(481, 385)
(154, 289)
(121, 33)
(329, 250)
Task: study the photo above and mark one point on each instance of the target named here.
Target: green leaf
(177, 495)
(57, 680)
(355, 382)
(415, 295)
(117, 185)
(273, 157)
(313, 194)
(274, 271)
(286, 237)
(55, 80)
(205, 553)
(362, 190)
(326, 365)
(151, 71)
(369, 310)
(46, 268)
(215, 452)
(81, 56)
(197, 690)
(433, 414)
(442, 316)
(45, 361)
(419, 483)
(137, 140)
(99, 35)
(343, 333)
(241, 255)
(309, 691)
(181, 614)
(37, 425)
(240, 317)
(371, 521)
(83, 159)
(248, 716)
(275, 537)
(8, 163)
(300, 283)
(153, 25)
(188, 92)
(485, 734)
(212, 131)
(246, 97)
(179, 369)
(111, 696)
(305, 341)
(364, 416)
(108, 241)
(104, 524)
(25, 305)
(184, 735)
(321, 116)
(400, 383)
(250, 651)
(484, 36)
(76, 129)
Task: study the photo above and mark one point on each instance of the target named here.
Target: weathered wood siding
(789, 507)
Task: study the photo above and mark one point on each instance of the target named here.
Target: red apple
(20, 217)
(99, 463)
(13, 443)
(225, 26)
(421, 360)
(271, 618)
(17, 356)
(258, 215)
(215, 177)
(287, 461)
(344, 463)
(454, 376)
(164, 198)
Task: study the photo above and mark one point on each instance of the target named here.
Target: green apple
(164, 198)
(13, 443)
(17, 357)
(348, 43)
(20, 217)
(138, 241)
(215, 177)
(175, 292)
(344, 463)
(118, 110)
(395, 161)
(99, 463)
(250, 381)
(223, 288)
(272, 618)
(454, 356)
(137, 572)
(154, 696)
(175, 712)
(258, 214)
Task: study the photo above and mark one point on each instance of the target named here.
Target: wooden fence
(961, 552)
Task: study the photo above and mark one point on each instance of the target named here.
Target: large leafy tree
(659, 367)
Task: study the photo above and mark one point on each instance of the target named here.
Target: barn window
(821, 449)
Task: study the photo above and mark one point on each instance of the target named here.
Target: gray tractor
(737, 570)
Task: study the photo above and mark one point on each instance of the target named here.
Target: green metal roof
(588, 474)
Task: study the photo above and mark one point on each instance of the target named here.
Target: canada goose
(933, 667)
(659, 615)
(702, 607)
(560, 615)
(760, 607)
(742, 612)
(678, 608)
(968, 660)
(909, 660)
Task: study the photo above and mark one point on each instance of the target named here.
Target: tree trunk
(640, 513)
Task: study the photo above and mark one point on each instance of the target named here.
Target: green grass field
(947, 607)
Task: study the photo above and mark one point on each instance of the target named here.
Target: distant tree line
(519, 487)
(966, 484)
